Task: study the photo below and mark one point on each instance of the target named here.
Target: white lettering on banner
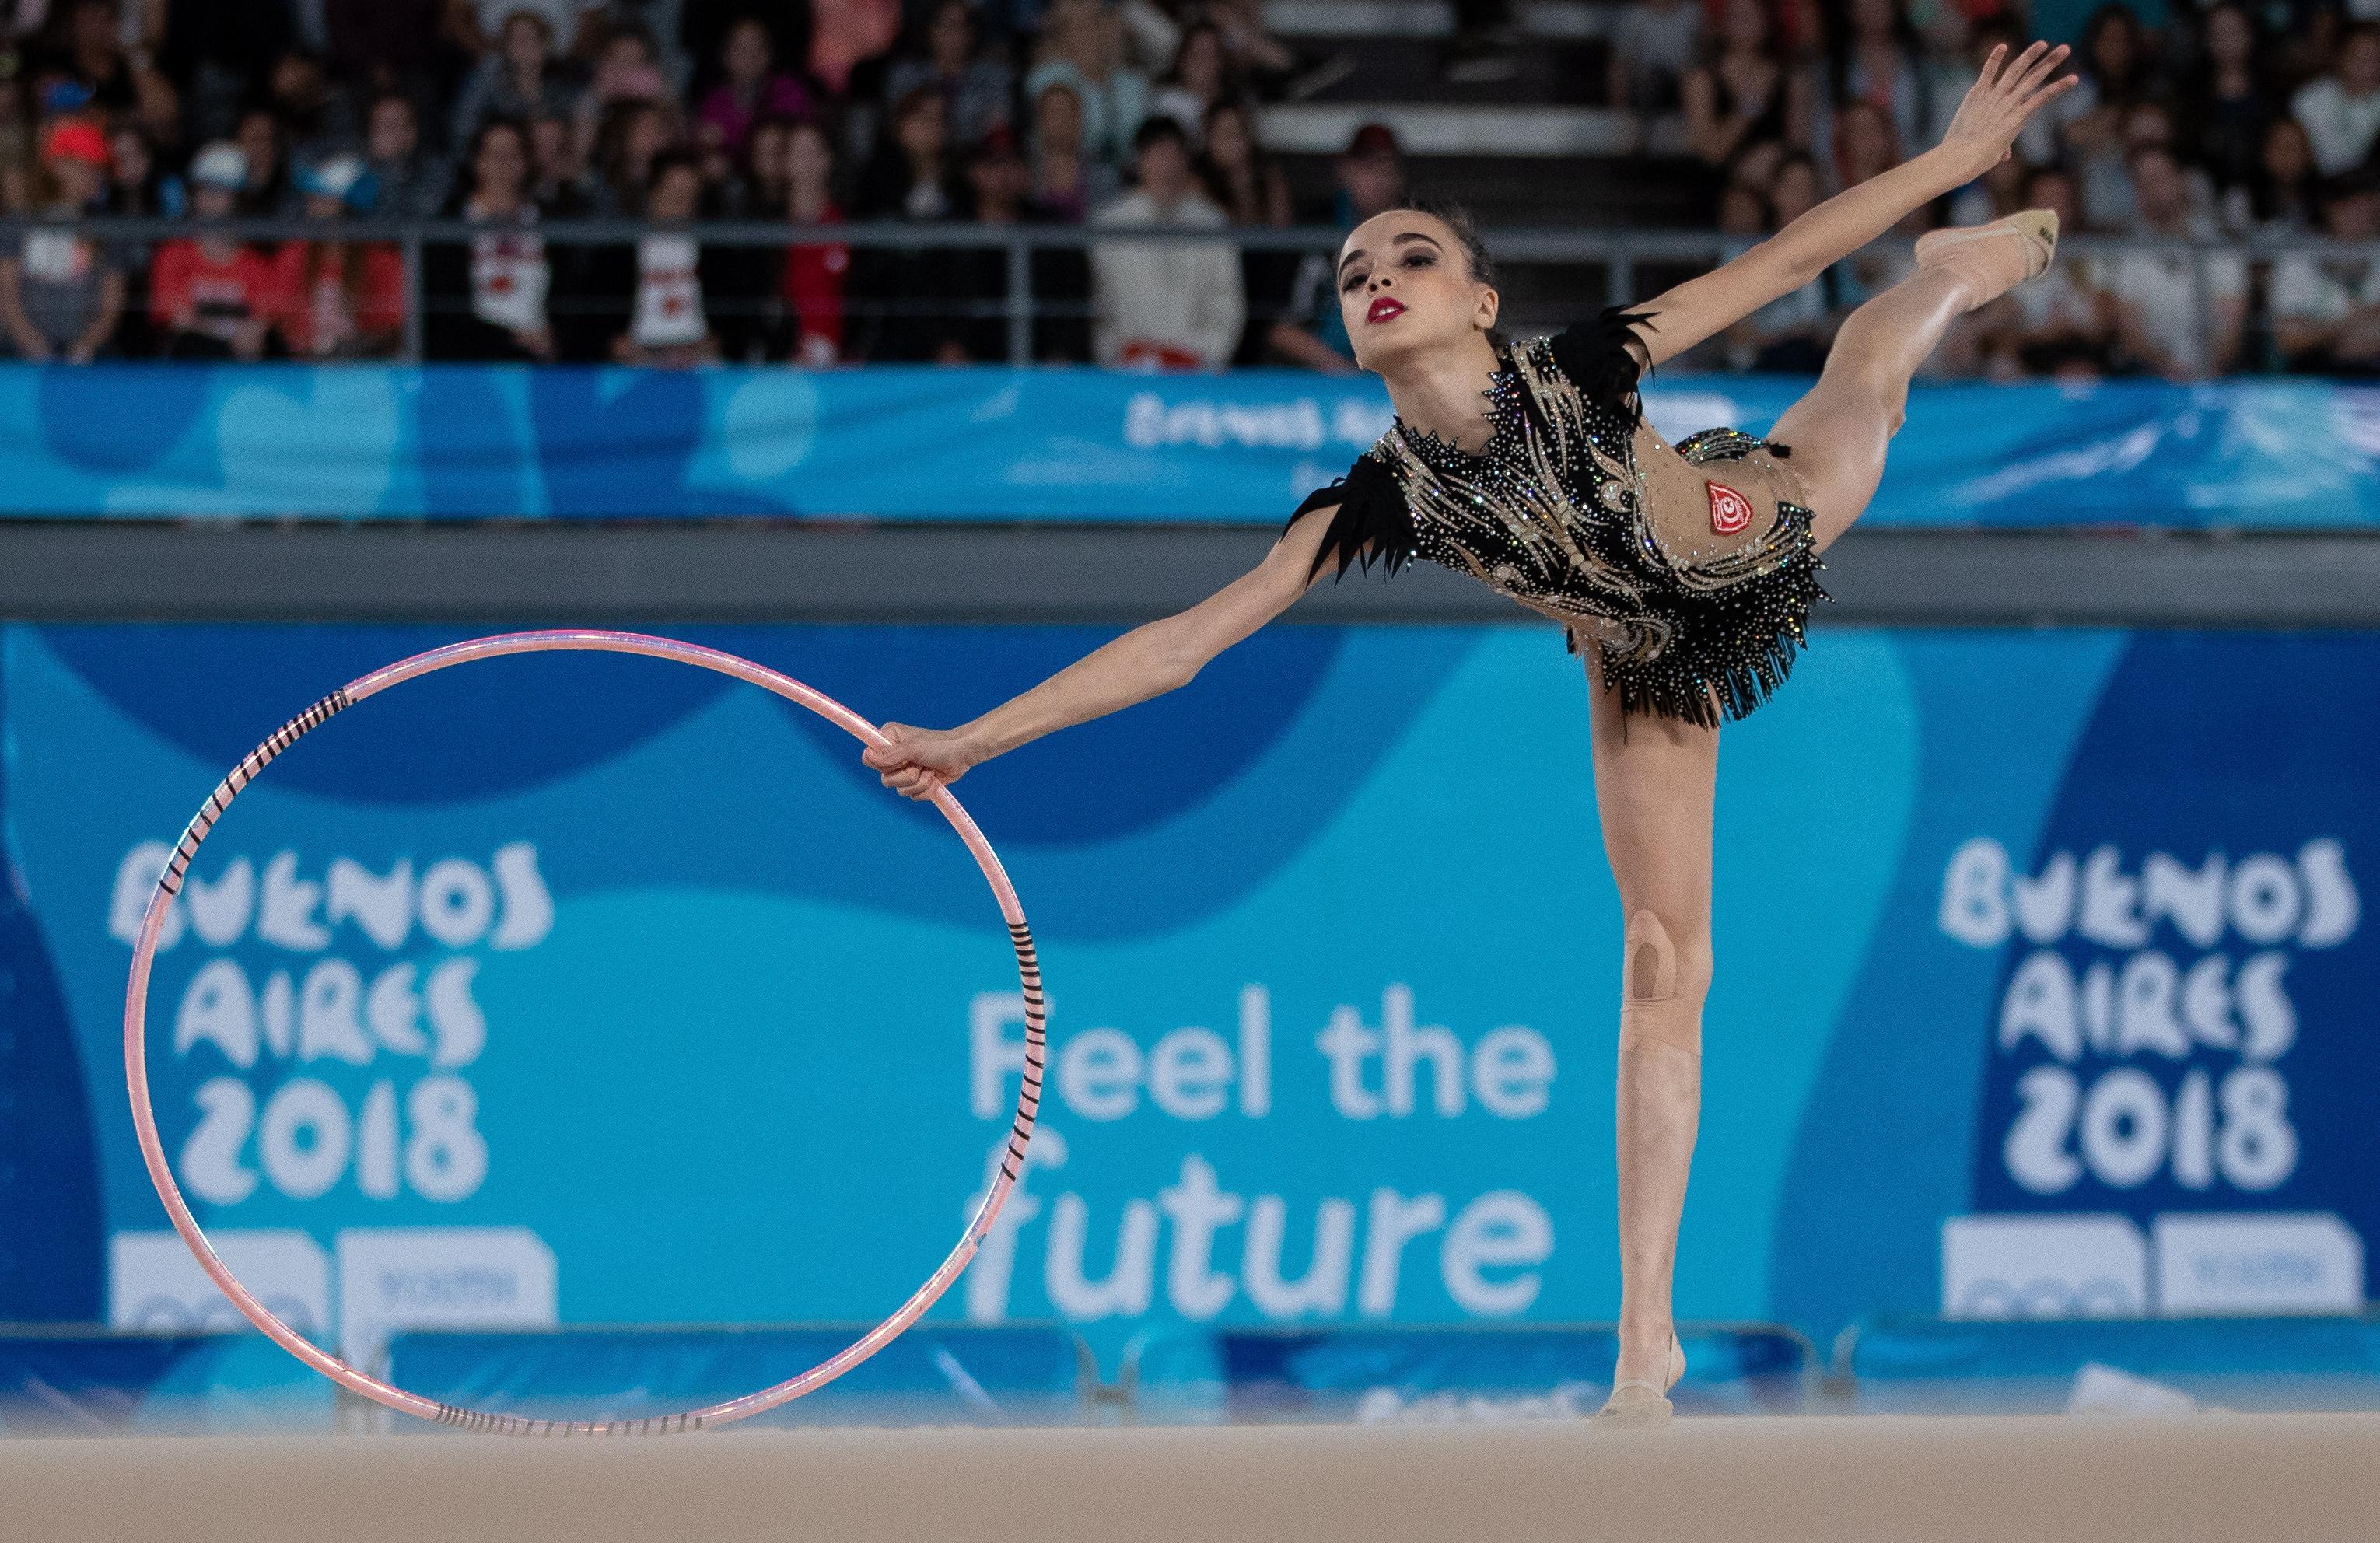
(2087, 1266)
(1100, 1074)
(510, 891)
(2150, 1014)
(1218, 1243)
(302, 1137)
(1150, 422)
(2267, 1263)
(2263, 898)
(1487, 1255)
(1563, 1401)
(392, 1279)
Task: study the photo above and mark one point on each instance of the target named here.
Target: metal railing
(1633, 263)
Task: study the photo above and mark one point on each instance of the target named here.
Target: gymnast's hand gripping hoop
(153, 1151)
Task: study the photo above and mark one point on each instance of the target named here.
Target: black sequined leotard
(1689, 569)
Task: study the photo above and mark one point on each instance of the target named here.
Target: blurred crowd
(511, 115)
(2231, 120)
(2228, 121)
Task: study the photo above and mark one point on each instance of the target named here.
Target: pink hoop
(153, 1151)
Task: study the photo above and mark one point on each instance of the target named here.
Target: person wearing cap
(1165, 305)
(2326, 306)
(339, 299)
(61, 293)
(1371, 175)
(212, 296)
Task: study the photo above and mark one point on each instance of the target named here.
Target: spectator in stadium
(18, 163)
(413, 183)
(848, 34)
(62, 293)
(636, 135)
(269, 190)
(1791, 334)
(1371, 176)
(520, 78)
(218, 52)
(126, 88)
(1082, 47)
(814, 269)
(2161, 324)
(999, 196)
(910, 291)
(2114, 73)
(975, 90)
(481, 22)
(627, 71)
(1861, 143)
(912, 177)
(1067, 183)
(2325, 308)
(1237, 173)
(339, 299)
(2226, 107)
(750, 88)
(1742, 93)
(1198, 82)
(655, 295)
(138, 186)
(316, 114)
(1259, 59)
(1249, 188)
(557, 180)
(2103, 177)
(487, 298)
(755, 189)
(2341, 111)
(210, 296)
(379, 46)
(1165, 305)
(1654, 44)
(2279, 199)
(1871, 56)
(2308, 47)
(2059, 325)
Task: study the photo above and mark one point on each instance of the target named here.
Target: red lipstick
(1384, 307)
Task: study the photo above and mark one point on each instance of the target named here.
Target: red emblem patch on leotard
(1730, 511)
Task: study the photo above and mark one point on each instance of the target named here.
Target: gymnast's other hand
(2003, 97)
(919, 760)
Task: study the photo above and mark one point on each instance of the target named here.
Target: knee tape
(1652, 1010)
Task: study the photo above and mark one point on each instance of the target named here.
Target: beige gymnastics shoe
(1994, 259)
(1639, 1405)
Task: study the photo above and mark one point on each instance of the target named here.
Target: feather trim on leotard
(1373, 522)
(1596, 357)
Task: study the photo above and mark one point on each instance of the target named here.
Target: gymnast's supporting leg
(1655, 778)
(1838, 430)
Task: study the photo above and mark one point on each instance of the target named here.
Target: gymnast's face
(1406, 289)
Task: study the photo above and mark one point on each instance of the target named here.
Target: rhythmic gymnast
(1683, 575)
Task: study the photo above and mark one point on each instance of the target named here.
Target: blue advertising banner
(893, 443)
(592, 990)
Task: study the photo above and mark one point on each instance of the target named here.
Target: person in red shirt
(814, 271)
(214, 298)
(339, 299)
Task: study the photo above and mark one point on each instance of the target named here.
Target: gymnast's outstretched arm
(1976, 139)
(1148, 662)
